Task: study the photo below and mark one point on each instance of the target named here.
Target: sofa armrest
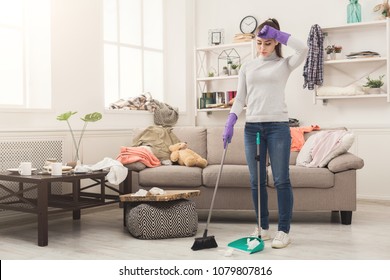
(345, 162)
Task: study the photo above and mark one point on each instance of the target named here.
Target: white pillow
(304, 157)
(345, 143)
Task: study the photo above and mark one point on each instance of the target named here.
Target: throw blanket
(142, 102)
(324, 143)
(159, 139)
(313, 69)
(298, 138)
(141, 154)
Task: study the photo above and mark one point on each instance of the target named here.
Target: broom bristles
(204, 243)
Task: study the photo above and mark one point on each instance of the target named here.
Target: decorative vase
(354, 13)
(374, 91)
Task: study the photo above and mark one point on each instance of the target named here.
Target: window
(133, 49)
(25, 71)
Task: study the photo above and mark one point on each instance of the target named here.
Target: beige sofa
(332, 188)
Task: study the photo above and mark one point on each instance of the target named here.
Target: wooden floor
(99, 235)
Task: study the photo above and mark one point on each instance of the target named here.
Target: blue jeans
(275, 138)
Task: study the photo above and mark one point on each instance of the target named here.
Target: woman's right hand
(229, 128)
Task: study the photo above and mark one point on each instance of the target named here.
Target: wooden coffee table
(46, 202)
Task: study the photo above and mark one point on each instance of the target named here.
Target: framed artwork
(216, 37)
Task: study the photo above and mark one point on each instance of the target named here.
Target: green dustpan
(242, 244)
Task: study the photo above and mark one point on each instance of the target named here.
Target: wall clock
(248, 24)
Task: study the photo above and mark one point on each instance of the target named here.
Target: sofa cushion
(232, 176)
(305, 177)
(236, 149)
(345, 162)
(195, 138)
(172, 176)
(325, 152)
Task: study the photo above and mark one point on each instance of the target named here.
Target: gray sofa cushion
(345, 162)
(236, 151)
(304, 177)
(174, 176)
(232, 176)
(195, 138)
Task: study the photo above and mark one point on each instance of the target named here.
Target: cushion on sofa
(236, 151)
(195, 138)
(345, 162)
(173, 176)
(232, 176)
(322, 142)
(304, 177)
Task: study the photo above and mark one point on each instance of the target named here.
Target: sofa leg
(346, 217)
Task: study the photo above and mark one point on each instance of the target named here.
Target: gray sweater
(262, 82)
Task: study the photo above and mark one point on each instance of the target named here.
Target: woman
(261, 86)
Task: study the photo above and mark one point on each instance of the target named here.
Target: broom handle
(258, 181)
(215, 189)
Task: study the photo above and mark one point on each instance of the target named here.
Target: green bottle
(354, 12)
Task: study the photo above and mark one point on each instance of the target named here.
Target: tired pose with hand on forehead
(261, 87)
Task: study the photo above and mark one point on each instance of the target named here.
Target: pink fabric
(325, 142)
(134, 154)
(297, 136)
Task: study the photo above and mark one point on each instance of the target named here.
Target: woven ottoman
(162, 219)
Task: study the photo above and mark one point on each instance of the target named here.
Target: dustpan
(244, 244)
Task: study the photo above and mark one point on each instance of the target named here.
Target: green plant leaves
(65, 116)
(93, 117)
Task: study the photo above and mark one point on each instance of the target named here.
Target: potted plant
(332, 50)
(225, 71)
(234, 70)
(93, 117)
(373, 86)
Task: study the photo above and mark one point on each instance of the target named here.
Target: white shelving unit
(355, 37)
(206, 60)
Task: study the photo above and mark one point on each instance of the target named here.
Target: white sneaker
(264, 233)
(281, 240)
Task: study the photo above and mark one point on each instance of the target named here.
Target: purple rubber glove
(229, 127)
(268, 32)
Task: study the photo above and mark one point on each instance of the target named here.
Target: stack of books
(362, 54)
(243, 37)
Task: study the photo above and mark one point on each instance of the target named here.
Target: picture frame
(216, 37)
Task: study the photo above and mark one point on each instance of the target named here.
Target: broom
(206, 242)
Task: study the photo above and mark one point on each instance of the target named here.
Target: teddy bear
(184, 156)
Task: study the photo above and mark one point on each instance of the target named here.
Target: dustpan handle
(216, 186)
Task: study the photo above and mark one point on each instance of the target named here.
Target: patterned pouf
(162, 219)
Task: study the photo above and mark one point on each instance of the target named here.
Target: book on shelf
(219, 99)
(243, 37)
(362, 54)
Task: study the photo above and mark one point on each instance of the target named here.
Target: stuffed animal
(184, 156)
(383, 9)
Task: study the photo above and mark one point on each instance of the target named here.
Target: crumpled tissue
(152, 191)
(140, 192)
(156, 191)
(252, 244)
(118, 172)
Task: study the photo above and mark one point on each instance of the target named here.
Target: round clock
(248, 24)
